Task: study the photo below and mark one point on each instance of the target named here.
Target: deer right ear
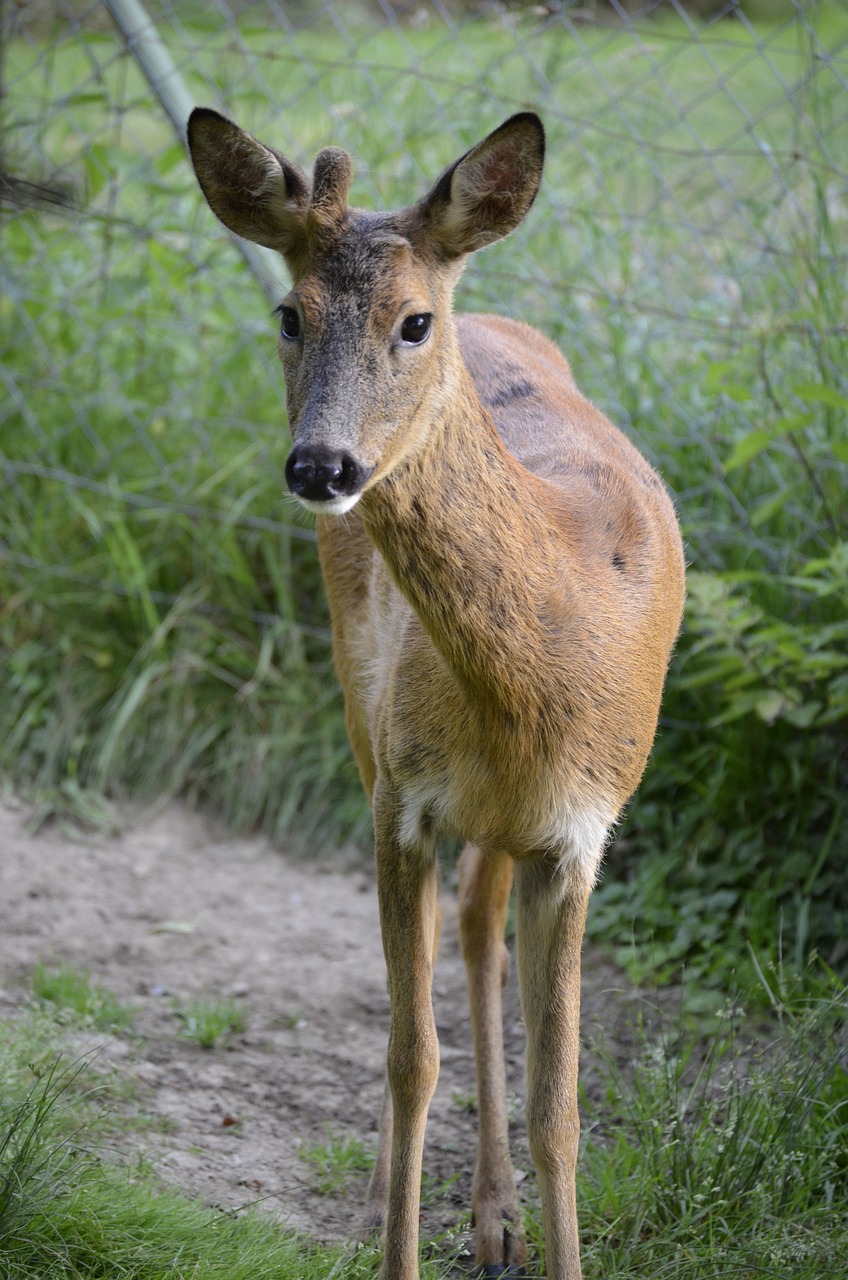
(255, 192)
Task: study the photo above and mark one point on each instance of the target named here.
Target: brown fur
(504, 597)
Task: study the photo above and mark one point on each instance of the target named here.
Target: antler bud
(331, 179)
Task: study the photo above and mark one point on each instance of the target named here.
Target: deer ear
(255, 192)
(485, 194)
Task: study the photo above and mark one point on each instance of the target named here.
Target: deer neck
(465, 533)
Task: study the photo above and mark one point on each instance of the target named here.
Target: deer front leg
(550, 918)
(485, 879)
(377, 1199)
(407, 887)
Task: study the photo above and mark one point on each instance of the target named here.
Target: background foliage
(162, 627)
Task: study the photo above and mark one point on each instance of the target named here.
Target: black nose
(319, 474)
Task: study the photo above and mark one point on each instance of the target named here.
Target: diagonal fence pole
(162, 74)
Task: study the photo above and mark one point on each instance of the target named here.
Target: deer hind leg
(407, 886)
(485, 879)
(550, 918)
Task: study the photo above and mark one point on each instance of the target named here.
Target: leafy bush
(736, 851)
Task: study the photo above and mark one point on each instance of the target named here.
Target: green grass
(64, 1213)
(71, 990)
(208, 1021)
(68, 1211)
(726, 1158)
(34, 1166)
(337, 1162)
(163, 627)
(706, 1157)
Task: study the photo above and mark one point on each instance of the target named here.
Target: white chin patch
(335, 506)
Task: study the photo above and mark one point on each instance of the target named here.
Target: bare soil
(170, 907)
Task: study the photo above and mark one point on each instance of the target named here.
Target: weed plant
(337, 1162)
(208, 1021)
(71, 990)
(163, 627)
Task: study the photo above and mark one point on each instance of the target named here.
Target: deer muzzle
(325, 479)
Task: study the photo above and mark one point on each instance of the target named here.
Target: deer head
(366, 336)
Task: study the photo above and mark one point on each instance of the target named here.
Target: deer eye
(289, 322)
(416, 328)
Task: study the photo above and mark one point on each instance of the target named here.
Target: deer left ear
(486, 193)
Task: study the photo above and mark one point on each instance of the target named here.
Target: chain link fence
(688, 252)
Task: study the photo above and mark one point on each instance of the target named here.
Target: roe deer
(505, 590)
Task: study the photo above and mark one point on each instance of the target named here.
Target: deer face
(362, 342)
(366, 337)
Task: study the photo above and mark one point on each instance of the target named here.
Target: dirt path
(171, 908)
